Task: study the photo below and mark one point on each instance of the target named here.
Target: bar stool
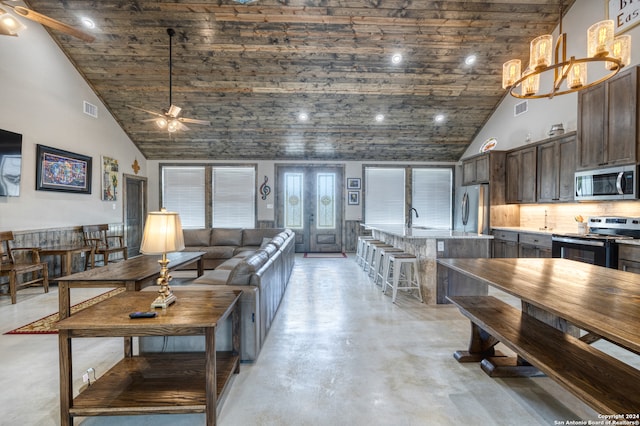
(404, 269)
(371, 249)
(361, 248)
(381, 260)
(373, 257)
(367, 252)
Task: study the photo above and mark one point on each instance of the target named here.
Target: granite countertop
(629, 242)
(418, 232)
(530, 230)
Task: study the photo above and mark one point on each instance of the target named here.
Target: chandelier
(568, 75)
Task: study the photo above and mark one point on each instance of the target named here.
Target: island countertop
(418, 232)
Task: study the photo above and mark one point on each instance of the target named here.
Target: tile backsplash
(560, 217)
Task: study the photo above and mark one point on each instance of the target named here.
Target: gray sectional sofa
(262, 273)
(221, 244)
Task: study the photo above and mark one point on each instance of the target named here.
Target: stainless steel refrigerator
(471, 209)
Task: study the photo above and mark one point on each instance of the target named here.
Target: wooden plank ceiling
(251, 69)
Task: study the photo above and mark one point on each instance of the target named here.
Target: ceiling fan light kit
(613, 52)
(10, 26)
(170, 119)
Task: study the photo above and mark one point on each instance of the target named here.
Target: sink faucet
(410, 221)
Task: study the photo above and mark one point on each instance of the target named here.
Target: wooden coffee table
(168, 383)
(133, 274)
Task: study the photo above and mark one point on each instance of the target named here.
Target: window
(294, 196)
(431, 197)
(207, 196)
(384, 189)
(183, 192)
(233, 194)
(430, 190)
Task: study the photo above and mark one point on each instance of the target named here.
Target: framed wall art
(353, 183)
(354, 197)
(109, 179)
(58, 170)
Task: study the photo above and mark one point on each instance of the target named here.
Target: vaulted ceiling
(251, 69)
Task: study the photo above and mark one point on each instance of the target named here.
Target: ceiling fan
(10, 26)
(170, 119)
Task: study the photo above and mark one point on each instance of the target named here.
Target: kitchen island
(429, 245)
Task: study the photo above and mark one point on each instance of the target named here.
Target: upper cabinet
(556, 168)
(521, 175)
(607, 122)
(486, 168)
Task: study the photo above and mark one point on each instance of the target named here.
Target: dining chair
(21, 262)
(104, 244)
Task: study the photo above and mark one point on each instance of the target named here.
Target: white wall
(41, 97)
(510, 131)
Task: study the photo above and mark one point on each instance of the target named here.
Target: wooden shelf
(167, 383)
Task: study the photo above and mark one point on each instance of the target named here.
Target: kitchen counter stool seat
(371, 250)
(381, 260)
(402, 273)
(362, 244)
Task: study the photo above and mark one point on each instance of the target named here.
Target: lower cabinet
(534, 245)
(629, 258)
(511, 244)
(505, 244)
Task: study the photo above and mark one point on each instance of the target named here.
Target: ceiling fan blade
(174, 111)
(147, 111)
(50, 22)
(182, 126)
(195, 121)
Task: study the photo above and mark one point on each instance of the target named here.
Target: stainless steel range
(598, 246)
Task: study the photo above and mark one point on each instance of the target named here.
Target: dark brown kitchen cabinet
(521, 175)
(475, 170)
(486, 168)
(505, 244)
(608, 122)
(534, 245)
(556, 168)
(629, 258)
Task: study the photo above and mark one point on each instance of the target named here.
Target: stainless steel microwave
(615, 183)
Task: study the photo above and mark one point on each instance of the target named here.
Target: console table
(168, 383)
(133, 274)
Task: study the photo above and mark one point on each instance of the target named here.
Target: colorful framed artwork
(58, 170)
(354, 197)
(109, 179)
(353, 183)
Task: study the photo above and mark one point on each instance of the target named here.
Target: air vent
(90, 109)
(520, 108)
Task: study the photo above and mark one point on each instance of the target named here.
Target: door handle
(311, 218)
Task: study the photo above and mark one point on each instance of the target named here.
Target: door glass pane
(294, 200)
(326, 206)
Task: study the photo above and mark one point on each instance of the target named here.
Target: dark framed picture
(58, 170)
(353, 183)
(354, 197)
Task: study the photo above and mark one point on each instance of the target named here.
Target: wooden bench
(606, 384)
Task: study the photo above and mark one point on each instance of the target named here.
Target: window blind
(431, 197)
(183, 192)
(384, 190)
(233, 193)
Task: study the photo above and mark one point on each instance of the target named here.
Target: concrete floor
(338, 353)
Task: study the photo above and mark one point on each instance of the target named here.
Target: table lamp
(162, 235)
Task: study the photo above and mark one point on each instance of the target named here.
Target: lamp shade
(162, 233)
(541, 51)
(599, 38)
(621, 50)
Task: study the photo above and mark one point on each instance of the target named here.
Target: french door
(310, 202)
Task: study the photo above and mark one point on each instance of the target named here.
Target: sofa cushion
(270, 249)
(229, 264)
(226, 237)
(196, 237)
(215, 277)
(253, 237)
(278, 241)
(241, 273)
(265, 241)
(218, 252)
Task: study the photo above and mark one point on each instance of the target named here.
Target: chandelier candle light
(162, 235)
(615, 53)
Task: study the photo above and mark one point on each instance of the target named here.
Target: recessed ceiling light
(470, 60)
(396, 59)
(88, 23)
(379, 118)
(439, 118)
(303, 116)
